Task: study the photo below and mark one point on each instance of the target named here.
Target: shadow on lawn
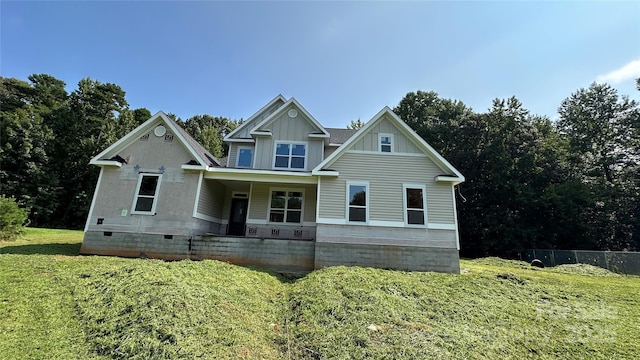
(42, 249)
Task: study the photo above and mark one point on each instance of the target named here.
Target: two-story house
(291, 195)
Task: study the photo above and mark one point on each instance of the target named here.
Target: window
(245, 157)
(385, 142)
(285, 206)
(357, 202)
(146, 194)
(414, 204)
(290, 155)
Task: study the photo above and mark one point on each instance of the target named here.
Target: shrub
(12, 218)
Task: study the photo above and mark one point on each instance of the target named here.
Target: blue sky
(342, 61)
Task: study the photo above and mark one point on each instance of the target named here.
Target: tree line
(572, 183)
(48, 136)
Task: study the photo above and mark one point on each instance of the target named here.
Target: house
(291, 195)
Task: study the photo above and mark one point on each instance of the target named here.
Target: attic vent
(293, 113)
(144, 137)
(168, 138)
(159, 131)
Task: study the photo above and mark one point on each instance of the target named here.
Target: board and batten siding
(401, 143)
(244, 133)
(211, 202)
(260, 194)
(386, 173)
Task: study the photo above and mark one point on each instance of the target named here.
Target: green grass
(57, 305)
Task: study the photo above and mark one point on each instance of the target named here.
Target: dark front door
(238, 217)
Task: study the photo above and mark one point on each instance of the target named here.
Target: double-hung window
(146, 197)
(290, 155)
(415, 204)
(357, 201)
(385, 142)
(285, 206)
(245, 157)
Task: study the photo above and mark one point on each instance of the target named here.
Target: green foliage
(209, 131)
(59, 306)
(356, 124)
(12, 218)
(529, 182)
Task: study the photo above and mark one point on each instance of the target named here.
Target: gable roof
(249, 122)
(454, 175)
(322, 132)
(199, 153)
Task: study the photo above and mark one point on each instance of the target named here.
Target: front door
(238, 217)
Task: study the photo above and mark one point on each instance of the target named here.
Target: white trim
(93, 201)
(286, 202)
(248, 202)
(325, 173)
(439, 226)
(287, 106)
(107, 163)
(318, 136)
(447, 178)
(193, 167)
(197, 202)
(155, 196)
(455, 216)
(253, 155)
(390, 136)
(288, 177)
(207, 218)
(367, 206)
(241, 140)
(256, 221)
(367, 152)
(405, 209)
(318, 199)
(291, 156)
(426, 148)
(253, 117)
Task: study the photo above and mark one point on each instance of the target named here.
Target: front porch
(261, 209)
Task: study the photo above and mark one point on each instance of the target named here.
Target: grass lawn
(55, 304)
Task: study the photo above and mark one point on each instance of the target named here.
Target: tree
(209, 131)
(12, 218)
(356, 124)
(601, 129)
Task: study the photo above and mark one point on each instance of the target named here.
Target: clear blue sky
(342, 61)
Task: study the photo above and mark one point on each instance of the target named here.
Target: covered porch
(257, 204)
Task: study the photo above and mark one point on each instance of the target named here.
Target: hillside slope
(55, 304)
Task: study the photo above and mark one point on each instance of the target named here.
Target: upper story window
(290, 155)
(245, 157)
(415, 204)
(385, 143)
(146, 197)
(357, 202)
